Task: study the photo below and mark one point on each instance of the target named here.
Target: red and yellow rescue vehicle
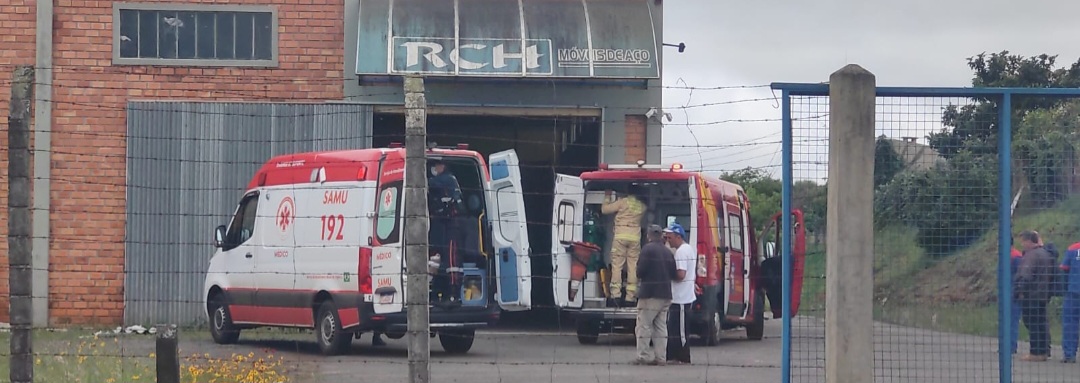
(735, 273)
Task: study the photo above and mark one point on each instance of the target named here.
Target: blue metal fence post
(785, 209)
(1004, 238)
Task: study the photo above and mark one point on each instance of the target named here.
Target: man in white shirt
(682, 294)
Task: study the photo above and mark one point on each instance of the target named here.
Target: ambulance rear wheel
(457, 342)
(328, 333)
(588, 331)
(713, 328)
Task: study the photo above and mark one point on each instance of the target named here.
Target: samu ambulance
(317, 242)
(733, 276)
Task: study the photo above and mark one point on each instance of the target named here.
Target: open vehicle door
(509, 232)
(772, 252)
(387, 259)
(567, 220)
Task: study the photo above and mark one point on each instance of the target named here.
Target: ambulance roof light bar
(640, 165)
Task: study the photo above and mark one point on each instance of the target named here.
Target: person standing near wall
(1032, 287)
(682, 294)
(626, 246)
(1070, 316)
(655, 270)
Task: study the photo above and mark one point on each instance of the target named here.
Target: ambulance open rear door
(509, 232)
(567, 219)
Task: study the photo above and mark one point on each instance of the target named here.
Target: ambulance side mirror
(219, 236)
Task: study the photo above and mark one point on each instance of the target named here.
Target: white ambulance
(317, 242)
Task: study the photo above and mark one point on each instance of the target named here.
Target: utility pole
(20, 227)
(416, 230)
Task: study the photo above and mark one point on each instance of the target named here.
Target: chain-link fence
(951, 167)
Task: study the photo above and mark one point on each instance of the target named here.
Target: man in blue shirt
(1070, 316)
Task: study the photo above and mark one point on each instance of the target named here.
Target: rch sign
(480, 56)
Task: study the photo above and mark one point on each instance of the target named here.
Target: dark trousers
(678, 345)
(1038, 325)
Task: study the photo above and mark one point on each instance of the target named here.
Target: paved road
(902, 355)
(526, 357)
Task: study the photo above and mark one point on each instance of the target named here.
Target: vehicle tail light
(361, 174)
(363, 272)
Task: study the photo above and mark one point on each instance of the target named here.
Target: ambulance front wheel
(756, 329)
(222, 328)
(328, 332)
(458, 341)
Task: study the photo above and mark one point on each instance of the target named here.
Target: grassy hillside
(953, 293)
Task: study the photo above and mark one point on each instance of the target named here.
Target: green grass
(76, 356)
(954, 293)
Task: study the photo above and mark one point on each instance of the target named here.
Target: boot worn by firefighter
(615, 291)
(631, 294)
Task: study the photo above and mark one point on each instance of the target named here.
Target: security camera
(656, 113)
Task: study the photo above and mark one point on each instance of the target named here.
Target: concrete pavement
(524, 356)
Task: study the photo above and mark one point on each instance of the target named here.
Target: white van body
(317, 242)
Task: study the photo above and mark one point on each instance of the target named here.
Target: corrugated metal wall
(188, 164)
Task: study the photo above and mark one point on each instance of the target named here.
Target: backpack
(1058, 278)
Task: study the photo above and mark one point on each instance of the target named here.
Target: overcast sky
(905, 43)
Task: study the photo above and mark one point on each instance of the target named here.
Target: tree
(977, 122)
(950, 205)
(887, 162)
(1045, 150)
(763, 191)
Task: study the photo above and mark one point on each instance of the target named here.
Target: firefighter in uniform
(626, 246)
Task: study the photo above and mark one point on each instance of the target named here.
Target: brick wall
(635, 138)
(89, 170)
(16, 48)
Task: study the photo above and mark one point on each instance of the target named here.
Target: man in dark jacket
(1032, 286)
(655, 271)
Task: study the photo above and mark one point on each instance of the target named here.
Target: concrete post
(20, 227)
(849, 275)
(167, 348)
(416, 231)
(43, 107)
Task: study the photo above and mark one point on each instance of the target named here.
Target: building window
(194, 35)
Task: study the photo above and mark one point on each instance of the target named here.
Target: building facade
(150, 116)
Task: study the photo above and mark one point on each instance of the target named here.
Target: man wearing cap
(655, 271)
(682, 294)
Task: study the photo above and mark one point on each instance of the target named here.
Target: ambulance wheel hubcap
(328, 329)
(219, 318)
